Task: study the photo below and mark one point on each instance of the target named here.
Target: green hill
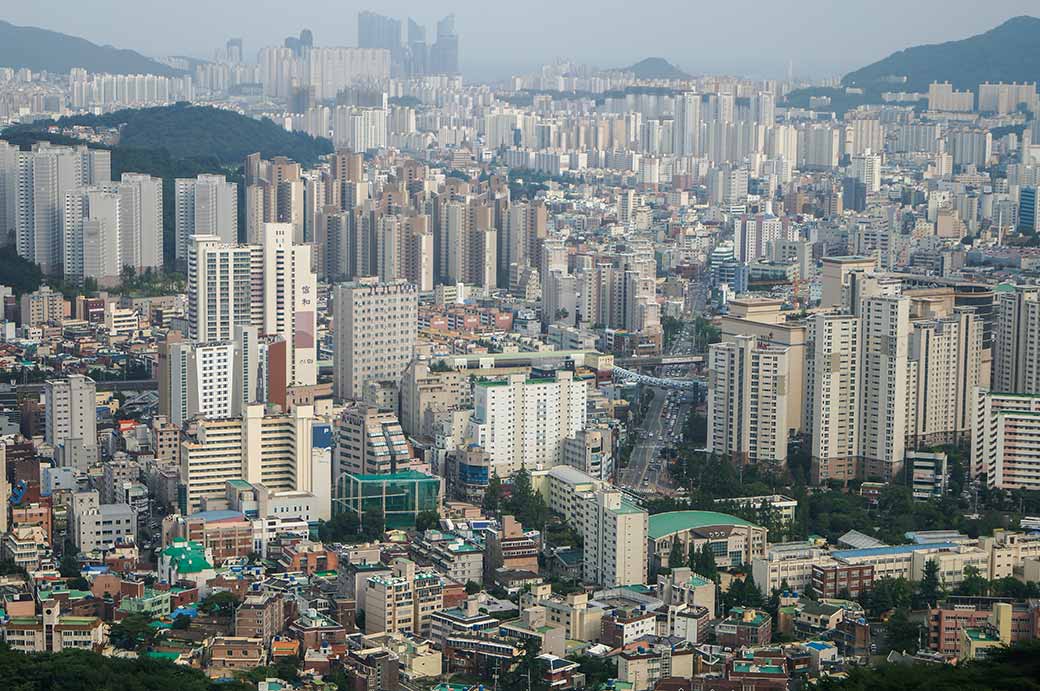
(40, 49)
(1007, 53)
(187, 131)
(656, 68)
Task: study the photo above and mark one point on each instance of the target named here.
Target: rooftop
(664, 524)
(884, 551)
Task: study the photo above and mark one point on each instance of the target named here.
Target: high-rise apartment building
(889, 379)
(866, 168)
(225, 287)
(71, 419)
(613, 529)
(375, 327)
(1016, 325)
(747, 401)
(206, 205)
(948, 353)
(1005, 444)
(522, 422)
(43, 177)
(832, 389)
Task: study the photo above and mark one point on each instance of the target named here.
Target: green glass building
(400, 496)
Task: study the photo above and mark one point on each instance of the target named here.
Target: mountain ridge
(1005, 53)
(45, 50)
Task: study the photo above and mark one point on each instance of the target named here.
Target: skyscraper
(221, 289)
(444, 56)
(289, 306)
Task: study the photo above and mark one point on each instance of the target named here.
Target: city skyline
(494, 48)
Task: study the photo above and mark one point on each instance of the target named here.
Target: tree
(472, 587)
(373, 523)
(903, 634)
(527, 672)
(68, 567)
(223, 603)
(597, 670)
(705, 564)
(132, 633)
(427, 520)
(675, 555)
(82, 670)
(1016, 667)
(181, 622)
(929, 589)
(343, 527)
(527, 505)
(973, 584)
(492, 503)
(888, 593)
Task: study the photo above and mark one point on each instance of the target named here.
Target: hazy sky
(822, 37)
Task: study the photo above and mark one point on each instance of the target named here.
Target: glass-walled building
(399, 496)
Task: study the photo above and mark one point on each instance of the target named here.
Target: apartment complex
(522, 422)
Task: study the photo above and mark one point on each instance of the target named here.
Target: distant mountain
(656, 68)
(1007, 53)
(40, 49)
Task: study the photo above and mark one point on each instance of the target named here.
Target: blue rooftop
(882, 551)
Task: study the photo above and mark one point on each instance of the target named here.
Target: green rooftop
(982, 635)
(664, 524)
(188, 557)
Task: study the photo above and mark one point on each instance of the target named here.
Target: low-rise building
(744, 627)
(404, 601)
(230, 654)
(459, 559)
(732, 540)
(50, 632)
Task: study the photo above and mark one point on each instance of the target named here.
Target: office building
(290, 301)
(399, 497)
(369, 441)
(375, 330)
